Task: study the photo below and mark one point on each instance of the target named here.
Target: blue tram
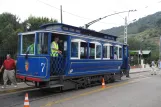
(87, 57)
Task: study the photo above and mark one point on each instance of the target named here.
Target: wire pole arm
(94, 21)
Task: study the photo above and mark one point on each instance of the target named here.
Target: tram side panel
(86, 67)
(33, 68)
(83, 73)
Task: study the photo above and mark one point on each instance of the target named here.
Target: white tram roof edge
(73, 34)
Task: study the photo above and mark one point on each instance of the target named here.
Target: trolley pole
(61, 14)
(125, 31)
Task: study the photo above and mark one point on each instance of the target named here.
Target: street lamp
(28, 25)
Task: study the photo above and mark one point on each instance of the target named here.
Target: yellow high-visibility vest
(31, 49)
(54, 53)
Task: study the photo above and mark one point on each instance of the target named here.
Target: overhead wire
(71, 13)
(84, 18)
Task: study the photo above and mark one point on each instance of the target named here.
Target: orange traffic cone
(26, 102)
(103, 83)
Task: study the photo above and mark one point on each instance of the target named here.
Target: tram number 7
(43, 66)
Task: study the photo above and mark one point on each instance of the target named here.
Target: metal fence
(57, 64)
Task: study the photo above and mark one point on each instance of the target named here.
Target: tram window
(83, 50)
(111, 52)
(98, 51)
(91, 51)
(74, 49)
(120, 52)
(65, 46)
(42, 43)
(106, 52)
(28, 44)
(115, 52)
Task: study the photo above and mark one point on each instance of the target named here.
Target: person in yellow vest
(55, 48)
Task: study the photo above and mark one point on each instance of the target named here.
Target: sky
(80, 12)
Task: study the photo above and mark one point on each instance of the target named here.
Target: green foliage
(158, 23)
(147, 29)
(149, 21)
(10, 26)
(142, 28)
(36, 22)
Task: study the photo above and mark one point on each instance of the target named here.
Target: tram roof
(79, 30)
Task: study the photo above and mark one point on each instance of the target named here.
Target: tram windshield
(28, 44)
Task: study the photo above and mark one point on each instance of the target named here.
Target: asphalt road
(141, 90)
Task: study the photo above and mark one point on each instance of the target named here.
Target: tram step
(56, 85)
(54, 82)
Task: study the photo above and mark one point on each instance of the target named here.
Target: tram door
(58, 59)
(125, 57)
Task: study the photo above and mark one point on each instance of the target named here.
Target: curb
(139, 72)
(14, 90)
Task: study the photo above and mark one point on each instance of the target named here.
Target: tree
(142, 28)
(9, 26)
(133, 43)
(158, 23)
(36, 22)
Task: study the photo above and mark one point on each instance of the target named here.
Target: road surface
(141, 90)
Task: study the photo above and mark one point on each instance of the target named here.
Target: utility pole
(160, 48)
(125, 31)
(61, 14)
(125, 27)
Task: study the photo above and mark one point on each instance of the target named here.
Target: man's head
(56, 39)
(8, 56)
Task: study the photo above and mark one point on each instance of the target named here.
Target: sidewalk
(10, 88)
(23, 86)
(138, 70)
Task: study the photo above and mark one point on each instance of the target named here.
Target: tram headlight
(118, 67)
(71, 71)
